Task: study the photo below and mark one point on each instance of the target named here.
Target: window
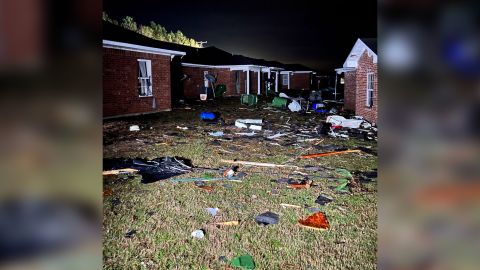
(370, 84)
(285, 79)
(145, 78)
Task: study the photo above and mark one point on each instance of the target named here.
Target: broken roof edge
(231, 67)
(344, 69)
(352, 59)
(139, 48)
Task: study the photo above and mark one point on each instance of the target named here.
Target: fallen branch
(329, 154)
(260, 164)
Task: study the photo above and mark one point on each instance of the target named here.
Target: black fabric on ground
(151, 170)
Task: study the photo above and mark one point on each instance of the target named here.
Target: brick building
(142, 75)
(240, 74)
(360, 79)
(297, 77)
(136, 72)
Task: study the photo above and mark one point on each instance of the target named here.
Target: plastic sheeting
(151, 170)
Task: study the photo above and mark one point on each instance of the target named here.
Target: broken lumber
(120, 171)
(260, 164)
(329, 154)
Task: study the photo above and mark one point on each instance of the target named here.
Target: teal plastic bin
(248, 99)
(279, 102)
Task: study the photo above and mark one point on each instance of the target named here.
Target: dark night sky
(318, 34)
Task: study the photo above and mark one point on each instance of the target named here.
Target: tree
(146, 31)
(155, 31)
(129, 23)
(159, 32)
(105, 17)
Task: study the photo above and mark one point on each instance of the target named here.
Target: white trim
(139, 48)
(248, 82)
(258, 82)
(303, 72)
(231, 67)
(276, 81)
(286, 72)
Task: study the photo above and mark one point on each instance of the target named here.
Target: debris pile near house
(357, 127)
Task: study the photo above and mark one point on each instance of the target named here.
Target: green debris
(344, 173)
(344, 180)
(343, 185)
(244, 262)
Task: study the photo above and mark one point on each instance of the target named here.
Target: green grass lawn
(164, 214)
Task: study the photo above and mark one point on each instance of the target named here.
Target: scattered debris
(253, 124)
(107, 192)
(344, 173)
(246, 133)
(313, 209)
(303, 184)
(182, 128)
(285, 205)
(244, 262)
(329, 154)
(260, 164)
(216, 134)
(267, 218)
(343, 186)
(323, 200)
(130, 233)
(121, 171)
(206, 179)
(199, 234)
(227, 223)
(206, 188)
(134, 128)
(278, 135)
(229, 173)
(212, 211)
(209, 116)
(337, 120)
(317, 221)
(151, 170)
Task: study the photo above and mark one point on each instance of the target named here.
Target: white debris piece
(134, 128)
(253, 124)
(338, 120)
(294, 106)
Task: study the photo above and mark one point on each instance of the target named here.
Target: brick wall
(349, 90)
(300, 81)
(120, 83)
(365, 66)
(192, 85)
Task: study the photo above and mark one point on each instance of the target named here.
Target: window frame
(287, 76)
(370, 82)
(149, 77)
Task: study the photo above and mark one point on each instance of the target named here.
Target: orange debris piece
(317, 221)
(206, 188)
